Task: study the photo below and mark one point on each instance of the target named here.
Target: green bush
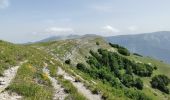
(160, 82)
(137, 54)
(136, 94)
(127, 80)
(97, 43)
(124, 51)
(68, 61)
(82, 67)
(138, 84)
(117, 71)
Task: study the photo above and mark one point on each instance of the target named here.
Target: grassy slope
(25, 82)
(81, 49)
(76, 49)
(30, 81)
(10, 55)
(163, 68)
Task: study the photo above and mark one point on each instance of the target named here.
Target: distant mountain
(63, 37)
(156, 44)
(55, 38)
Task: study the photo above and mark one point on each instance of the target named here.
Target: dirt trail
(5, 81)
(8, 75)
(10, 96)
(59, 93)
(79, 85)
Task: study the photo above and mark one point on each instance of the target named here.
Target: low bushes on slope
(122, 50)
(118, 71)
(161, 82)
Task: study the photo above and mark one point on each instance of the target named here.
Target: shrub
(114, 45)
(95, 91)
(138, 84)
(137, 54)
(68, 61)
(136, 95)
(127, 80)
(143, 70)
(77, 79)
(160, 82)
(124, 51)
(97, 43)
(81, 67)
(155, 68)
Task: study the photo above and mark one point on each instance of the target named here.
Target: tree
(82, 67)
(124, 51)
(129, 70)
(68, 61)
(160, 82)
(138, 84)
(97, 43)
(127, 80)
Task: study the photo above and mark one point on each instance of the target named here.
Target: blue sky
(31, 20)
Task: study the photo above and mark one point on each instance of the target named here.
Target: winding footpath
(79, 85)
(5, 81)
(59, 93)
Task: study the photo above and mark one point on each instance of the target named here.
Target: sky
(31, 20)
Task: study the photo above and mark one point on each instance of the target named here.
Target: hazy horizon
(26, 21)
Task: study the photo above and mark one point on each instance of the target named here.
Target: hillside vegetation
(104, 71)
(30, 81)
(116, 74)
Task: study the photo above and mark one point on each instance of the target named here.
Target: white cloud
(4, 4)
(132, 28)
(110, 29)
(59, 30)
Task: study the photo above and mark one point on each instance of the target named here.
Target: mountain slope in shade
(156, 44)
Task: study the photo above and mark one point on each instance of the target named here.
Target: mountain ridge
(155, 44)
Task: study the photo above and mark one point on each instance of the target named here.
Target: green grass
(25, 84)
(30, 82)
(11, 55)
(71, 90)
(105, 89)
(59, 48)
(110, 92)
(163, 68)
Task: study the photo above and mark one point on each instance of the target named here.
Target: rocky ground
(79, 85)
(59, 93)
(5, 81)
